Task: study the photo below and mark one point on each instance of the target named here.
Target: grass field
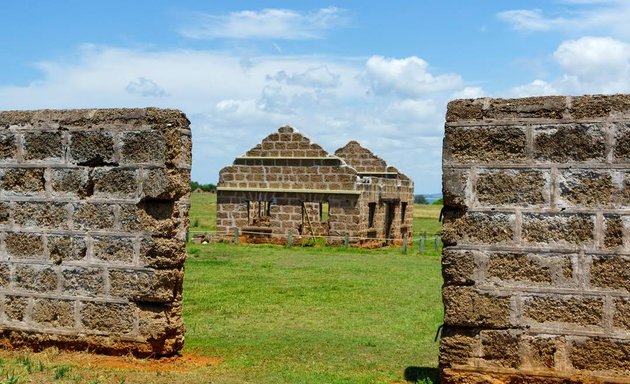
(271, 314)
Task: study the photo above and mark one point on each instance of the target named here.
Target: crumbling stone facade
(289, 185)
(536, 262)
(93, 222)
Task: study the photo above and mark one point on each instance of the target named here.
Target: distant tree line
(204, 187)
(421, 199)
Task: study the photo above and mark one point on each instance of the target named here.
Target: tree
(439, 201)
(204, 187)
(420, 199)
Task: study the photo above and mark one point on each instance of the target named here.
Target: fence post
(290, 239)
(346, 241)
(404, 247)
(437, 243)
(421, 244)
(236, 238)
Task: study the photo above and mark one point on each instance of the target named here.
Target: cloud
(270, 23)
(145, 87)
(469, 93)
(316, 77)
(594, 16)
(408, 77)
(589, 65)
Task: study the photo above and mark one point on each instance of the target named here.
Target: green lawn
(203, 212)
(312, 315)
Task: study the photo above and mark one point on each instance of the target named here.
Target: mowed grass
(203, 212)
(312, 315)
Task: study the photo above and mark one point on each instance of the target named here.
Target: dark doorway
(390, 213)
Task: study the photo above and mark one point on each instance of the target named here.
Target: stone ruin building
(288, 186)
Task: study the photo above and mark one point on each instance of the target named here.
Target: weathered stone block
(599, 106)
(115, 182)
(5, 212)
(484, 144)
(92, 148)
(512, 188)
(113, 249)
(15, 307)
(43, 215)
(459, 267)
(501, 348)
(458, 346)
(53, 313)
(94, 216)
(613, 231)
(542, 351)
(455, 186)
(162, 325)
(531, 269)
(167, 183)
(160, 286)
(465, 306)
(142, 147)
(112, 318)
(621, 150)
(8, 147)
(5, 274)
(22, 180)
(477, 227)
(548, 107)
(81, 281)
(162, 253)
(73, 181)
(574, 142)
(37, 278)
(600, 354)
(43, 146)
(576, 310)
(611, 272)
(586, 188)
(621, 315)
(62, 248)
(464, 109)
(24, 245)
(572, 229)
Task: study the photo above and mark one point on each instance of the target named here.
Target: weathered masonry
(93, 222)
(289, 185)
(536, 261)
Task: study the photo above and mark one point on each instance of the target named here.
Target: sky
(377, 72)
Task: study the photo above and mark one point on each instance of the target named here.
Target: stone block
(600, 354)
(146, 285)
(477, 227)
(92, 148)
(542, 351)
(74, 181)
(464, 109)
(178, 147)
(8, 147)
(24, 245)
(142, 147)
(500, 348)
(467, 307)
(94, 216)
(547, 107)
(585, 188)
(113, 249)
(62, 248)
(15, 307)
(162, 326)
(460, 267)
(455, 186)
(82, 281)
(570, 229)
(613, 231)
(569, 143)
(53, 313)
(42, 215)
(115, 182)
(162, 253)
(484, 145)
(112, 318)
(621, 150)
(574, 310)
(36, 278)
(621, 314)
(43, 146)
(611, 272)
(458, 346)
(529, 269)
(5, 274)
(598, 106)
(512, 188)
(22, 180)
(162, 183)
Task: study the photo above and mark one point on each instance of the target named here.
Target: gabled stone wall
(536, 261)
(93, 222)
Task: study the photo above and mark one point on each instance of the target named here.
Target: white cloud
(535, 88)
(271, 23)
(145, 87)
(316, 77)
(469, 93)
(408, 77)
(593, 16)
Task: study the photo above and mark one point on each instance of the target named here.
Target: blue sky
(378, 72)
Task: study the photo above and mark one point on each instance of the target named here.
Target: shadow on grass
(421, 375)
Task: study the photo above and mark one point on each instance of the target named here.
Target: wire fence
(424, 241)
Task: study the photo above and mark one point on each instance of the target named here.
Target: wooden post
(404, 247)
(236, 238)
(437, 243)
(421, 244)
(346, 241)
(290, 240)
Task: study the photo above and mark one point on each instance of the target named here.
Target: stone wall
(93, 222)
(536, 261)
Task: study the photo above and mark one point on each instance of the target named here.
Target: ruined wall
(93, 222)
(536, 261)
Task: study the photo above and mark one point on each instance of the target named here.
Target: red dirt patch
(177, 363)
